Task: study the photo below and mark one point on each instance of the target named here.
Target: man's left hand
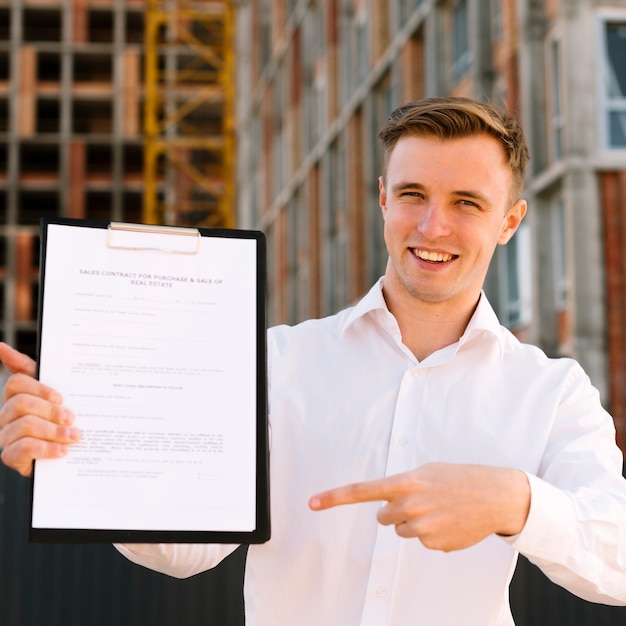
(447, 506)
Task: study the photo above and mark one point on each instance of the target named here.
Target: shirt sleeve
(180, 560)
(576, 528)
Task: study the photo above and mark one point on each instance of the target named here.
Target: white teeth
(432, 256)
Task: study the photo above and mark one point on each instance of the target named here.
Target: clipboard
(156, 338)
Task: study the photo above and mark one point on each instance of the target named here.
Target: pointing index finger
(369, 491)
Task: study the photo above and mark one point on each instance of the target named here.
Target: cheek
(483, 237)
(399, 219)
(394, 233)
(387, 236)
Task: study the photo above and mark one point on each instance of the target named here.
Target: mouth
(434, 257)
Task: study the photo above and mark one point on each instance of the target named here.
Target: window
(291, 288)
(497, 23)
(461, 56)
(278, 144)
(555, 114)
(382, 104)
(302, 255)
(273, 285)
(613, 91)
(265, 35)
(362, 49)
(413, 67)
(314, 75)
(508, 284)
(405, 9)
(347, 51)
(380, 33)
(559, 263)
(328, 226)
(335, 224)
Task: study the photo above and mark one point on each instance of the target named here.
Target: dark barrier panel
(93, 585)
(536, 601)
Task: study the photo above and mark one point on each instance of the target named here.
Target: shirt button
(403, 440)
(380, 592)
(416, 372)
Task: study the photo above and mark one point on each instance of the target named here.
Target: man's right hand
(33, 422)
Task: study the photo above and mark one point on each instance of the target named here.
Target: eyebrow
(462, 193)
(406, 185)
(475, 195)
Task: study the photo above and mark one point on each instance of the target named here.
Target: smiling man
(417, 446)
(443, 221)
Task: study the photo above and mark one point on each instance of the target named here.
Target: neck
(429, 326)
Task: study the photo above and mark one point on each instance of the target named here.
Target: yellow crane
(189, 126)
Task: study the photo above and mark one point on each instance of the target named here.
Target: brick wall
(613, 186)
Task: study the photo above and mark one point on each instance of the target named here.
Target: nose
(433, 221)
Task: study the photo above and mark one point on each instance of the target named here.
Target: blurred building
(122, 110)
(317, 79)
(109, 110)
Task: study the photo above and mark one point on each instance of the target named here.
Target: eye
(469, 203)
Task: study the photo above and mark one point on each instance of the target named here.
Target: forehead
(477, 157)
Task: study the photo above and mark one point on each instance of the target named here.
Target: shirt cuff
(150, 555)
(550, 529)
(175, 559)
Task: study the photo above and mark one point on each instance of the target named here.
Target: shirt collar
(372, 301)
(483, 322)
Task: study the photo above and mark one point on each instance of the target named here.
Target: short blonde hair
(451, 118)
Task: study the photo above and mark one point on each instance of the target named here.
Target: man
(477, 447)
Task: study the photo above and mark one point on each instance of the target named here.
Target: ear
(512, 220)
(382, 195)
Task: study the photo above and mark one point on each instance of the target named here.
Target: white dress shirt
(349, 402)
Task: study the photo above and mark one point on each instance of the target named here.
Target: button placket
(377, 607)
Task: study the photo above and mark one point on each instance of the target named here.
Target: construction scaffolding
(109, 110)
(189, 113)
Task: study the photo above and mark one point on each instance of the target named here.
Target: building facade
(318, 78)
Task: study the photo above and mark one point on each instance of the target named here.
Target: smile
(435, 257)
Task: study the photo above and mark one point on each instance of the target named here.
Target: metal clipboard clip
(169, 239)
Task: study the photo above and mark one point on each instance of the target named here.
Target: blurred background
(263, 114)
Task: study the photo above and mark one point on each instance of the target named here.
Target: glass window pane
(497, 25)
(556, 100)
(460, 40)
(513, 288)
(617, 129)
(616, 53)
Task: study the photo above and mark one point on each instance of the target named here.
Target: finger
(34, 427)
(20, 455)
(405, 530)
(24, 384)
(25, 404)
(32, 437)
(391, 515)
(16, 361)
(370, 491)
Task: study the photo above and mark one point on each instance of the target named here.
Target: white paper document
(155, 351)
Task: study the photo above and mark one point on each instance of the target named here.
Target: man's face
(446, 205)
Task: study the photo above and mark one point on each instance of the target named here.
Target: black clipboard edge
(262, 532)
